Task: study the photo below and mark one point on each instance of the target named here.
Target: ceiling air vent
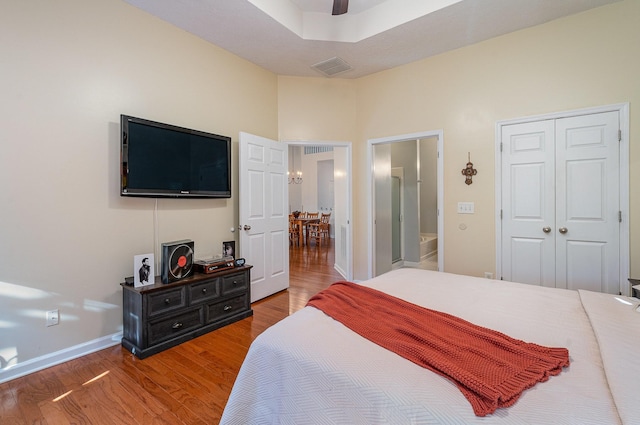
(331, 67)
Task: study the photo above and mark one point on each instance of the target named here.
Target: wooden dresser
(160, 316)
(634, 292)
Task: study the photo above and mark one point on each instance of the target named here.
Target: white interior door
(528, 203)
(263, 221)
(588, 203)
(560, 202)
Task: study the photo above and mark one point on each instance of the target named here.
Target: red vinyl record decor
(177, 260)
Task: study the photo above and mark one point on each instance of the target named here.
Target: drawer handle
(176, 325)
(204, 290)
(235, 282)
(167, 300)
(227, 307)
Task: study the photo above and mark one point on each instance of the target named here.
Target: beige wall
(585, 60)
(316, 109)
(67, 239)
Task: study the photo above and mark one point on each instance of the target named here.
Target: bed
(310, 368)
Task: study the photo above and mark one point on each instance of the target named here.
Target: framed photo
(143, 273)
(229, 249)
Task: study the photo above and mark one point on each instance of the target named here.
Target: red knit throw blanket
(490, 368)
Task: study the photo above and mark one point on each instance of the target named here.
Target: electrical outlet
(53, 317)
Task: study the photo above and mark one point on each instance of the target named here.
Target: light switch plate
(466, 207)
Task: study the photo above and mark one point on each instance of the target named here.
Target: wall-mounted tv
(162, 160)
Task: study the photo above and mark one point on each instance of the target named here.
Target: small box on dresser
(160, 316)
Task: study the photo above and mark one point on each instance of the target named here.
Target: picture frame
(143, 270)
(229, 249)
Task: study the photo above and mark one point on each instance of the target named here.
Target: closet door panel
(528, 199)
(587, 199)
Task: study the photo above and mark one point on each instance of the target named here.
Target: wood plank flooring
(187, 384)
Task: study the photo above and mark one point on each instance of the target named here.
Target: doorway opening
(416, 232)
(323, 185)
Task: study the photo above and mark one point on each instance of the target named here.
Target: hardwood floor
(187, 384)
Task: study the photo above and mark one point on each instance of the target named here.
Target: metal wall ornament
(468, 172)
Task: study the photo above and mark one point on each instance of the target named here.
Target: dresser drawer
(204, 291)
(234, 283)
(168, 300)
(226, 308)
(176, 325)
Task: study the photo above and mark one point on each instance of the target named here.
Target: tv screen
(163, 160)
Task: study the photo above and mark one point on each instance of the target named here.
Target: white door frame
(623, 111)
(348, 273)
(371, 201)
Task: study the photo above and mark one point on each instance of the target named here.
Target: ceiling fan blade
(340, 7)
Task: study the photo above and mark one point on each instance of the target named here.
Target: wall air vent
(331, 67)
(310, 150)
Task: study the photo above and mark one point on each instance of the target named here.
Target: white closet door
(587, 199)
(560, 202)
(528, 175)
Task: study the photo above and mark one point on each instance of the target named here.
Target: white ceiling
(287, 37)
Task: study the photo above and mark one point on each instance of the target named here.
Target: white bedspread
(310, 369)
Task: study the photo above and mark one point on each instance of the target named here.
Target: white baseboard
(337, 268)
(52, 359)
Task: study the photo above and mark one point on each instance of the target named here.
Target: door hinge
(619, 135)
(620, 216)
(500, 214)
(500, 146)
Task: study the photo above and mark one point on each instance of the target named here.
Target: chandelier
(294, 177)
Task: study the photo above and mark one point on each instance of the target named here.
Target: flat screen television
(162, 160)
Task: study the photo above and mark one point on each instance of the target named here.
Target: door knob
(546, 229)
(247, 227)
(563, 230)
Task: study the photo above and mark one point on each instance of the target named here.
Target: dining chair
(320, 230)
(294, 234)
(308, 216)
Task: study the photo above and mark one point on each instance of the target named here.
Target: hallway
(310, 271)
